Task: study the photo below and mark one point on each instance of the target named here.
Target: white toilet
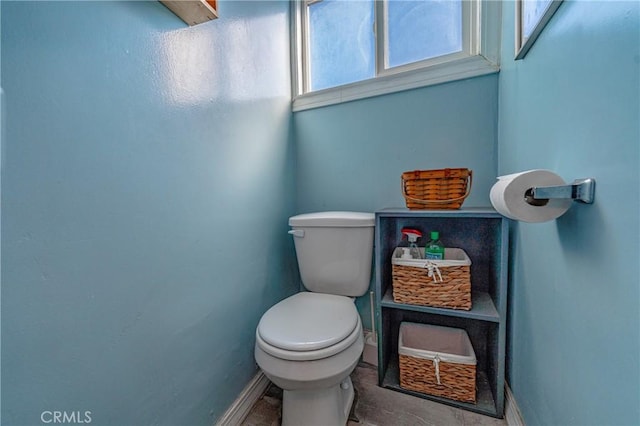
(309, 343)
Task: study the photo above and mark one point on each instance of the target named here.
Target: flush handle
(297, 233)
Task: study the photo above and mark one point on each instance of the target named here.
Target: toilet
(309, 343)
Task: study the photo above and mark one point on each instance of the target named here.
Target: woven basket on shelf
(438, 283)
(457, 381)
(436, 189)
(437, 361)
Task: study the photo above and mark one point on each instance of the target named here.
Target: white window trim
(483, 47)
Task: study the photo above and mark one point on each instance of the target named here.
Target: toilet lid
(308, 321)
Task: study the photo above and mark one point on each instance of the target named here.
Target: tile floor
(378, 406)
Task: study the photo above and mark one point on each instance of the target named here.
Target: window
(531, 18)
(340, 45)
(351, 49)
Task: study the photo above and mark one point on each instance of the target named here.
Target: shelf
(480, 212)
(482, 307)
(484, 235)
(485, 403)
(193, 12)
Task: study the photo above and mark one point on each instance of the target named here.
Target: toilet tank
(334, 251)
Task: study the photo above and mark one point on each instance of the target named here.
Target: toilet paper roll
(508, 196)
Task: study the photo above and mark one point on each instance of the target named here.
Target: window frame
(479, 56)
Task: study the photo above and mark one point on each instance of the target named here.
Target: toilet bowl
(309, 343)
(312, 357)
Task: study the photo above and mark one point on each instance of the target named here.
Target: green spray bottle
(434, 249)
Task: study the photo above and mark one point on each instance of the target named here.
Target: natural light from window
(419, 30)
(341, 42)
(351, 49)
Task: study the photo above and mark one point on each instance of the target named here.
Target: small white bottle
(412, 236)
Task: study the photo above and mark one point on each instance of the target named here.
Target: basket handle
(417, 200)
(433, 271)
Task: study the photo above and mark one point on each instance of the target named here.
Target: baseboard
(242, 405)
(511, 411)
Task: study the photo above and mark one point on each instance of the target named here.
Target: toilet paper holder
(582, 190)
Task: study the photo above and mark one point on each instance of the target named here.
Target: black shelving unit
(484, 236)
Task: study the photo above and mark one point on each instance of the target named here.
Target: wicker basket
(436, 189)
(437, 361)
(439, 283)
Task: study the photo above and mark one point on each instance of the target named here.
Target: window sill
(442, 73)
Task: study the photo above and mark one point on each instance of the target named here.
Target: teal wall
(362, 147)
(350, 156)
(142, 160)
(572, 106)
(146, 183)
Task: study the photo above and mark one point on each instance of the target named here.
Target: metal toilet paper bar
(582, 190)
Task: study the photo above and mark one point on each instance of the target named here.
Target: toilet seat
(309, 326)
